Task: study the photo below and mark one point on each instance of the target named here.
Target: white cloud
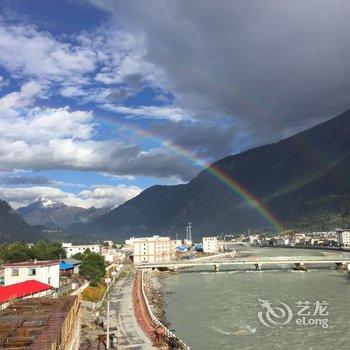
(40, 125)
(59, 138)
(98, 196)
(29, 52)
(152, 112)
(72, 91)
(108, 196)
(17, 99)
(3, 82)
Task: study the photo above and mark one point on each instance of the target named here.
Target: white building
(47, 272)
(153, 249)
(343, 237)
(210, 245)
(74, 249)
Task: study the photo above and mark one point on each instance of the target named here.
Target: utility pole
(189, 230)
(107, 336)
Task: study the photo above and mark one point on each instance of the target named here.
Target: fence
(156, 321)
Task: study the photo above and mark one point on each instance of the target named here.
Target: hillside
(303, 179)
(13, 227)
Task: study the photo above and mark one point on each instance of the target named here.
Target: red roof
(22, 289)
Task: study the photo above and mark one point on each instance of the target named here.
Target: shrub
(94, 294)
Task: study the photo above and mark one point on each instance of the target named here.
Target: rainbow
(217, 172)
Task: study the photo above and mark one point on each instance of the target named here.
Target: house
(343, 237)
(27, 289)
(66, 269)
(81, 248)
(210, 245)
(47, 272)
(153, 249)
(76, 263)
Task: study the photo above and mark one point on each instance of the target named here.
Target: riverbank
(146, 287)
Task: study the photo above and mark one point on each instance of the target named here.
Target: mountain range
(304, 180)
(57, 215)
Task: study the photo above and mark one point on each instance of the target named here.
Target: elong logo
(309, 313)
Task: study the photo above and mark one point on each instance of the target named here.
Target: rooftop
(33, 263)
(22, 289)
(34, 323)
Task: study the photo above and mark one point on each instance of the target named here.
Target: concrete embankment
(161, 337)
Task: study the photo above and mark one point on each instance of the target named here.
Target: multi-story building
(343, 237)
(74, 249)
(153, 249)
(47, 272)
(210, 245)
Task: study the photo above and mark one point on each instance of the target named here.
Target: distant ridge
(303, 180)
(14, 228)
(57, 215)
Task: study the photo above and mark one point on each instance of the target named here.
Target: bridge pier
(216, 268)
(299, 266)
(257, 266)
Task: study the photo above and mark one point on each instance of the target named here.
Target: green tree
(40, 250)
(15, 252)
(55, 251)
(79, 256)
(93, 268)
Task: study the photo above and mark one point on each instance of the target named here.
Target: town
(65, 301)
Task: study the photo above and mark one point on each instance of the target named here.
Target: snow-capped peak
(45, 202)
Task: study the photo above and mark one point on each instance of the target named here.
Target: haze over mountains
(303, 179)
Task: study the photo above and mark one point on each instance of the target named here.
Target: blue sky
(101, 99)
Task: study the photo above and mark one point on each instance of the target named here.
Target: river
(220, 310)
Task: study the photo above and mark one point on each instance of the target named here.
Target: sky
(100, 99)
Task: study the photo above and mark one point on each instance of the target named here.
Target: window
(31, 272)
(14, 272)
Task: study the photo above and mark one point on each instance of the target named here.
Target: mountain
(303, 180)
(57, 215)
(14, 228)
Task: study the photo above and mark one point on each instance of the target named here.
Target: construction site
(41, 324)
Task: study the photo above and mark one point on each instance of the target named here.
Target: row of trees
(21, 251)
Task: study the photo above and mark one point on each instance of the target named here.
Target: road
(129, 334)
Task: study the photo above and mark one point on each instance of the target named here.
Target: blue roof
(65, 266)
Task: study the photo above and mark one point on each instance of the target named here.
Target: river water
(220, 310)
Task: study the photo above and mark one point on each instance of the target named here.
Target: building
(153, 249)
(74, 249)
(41, 323)
(343, 237)
(66, 269)
(27, 289)
(47, 272)
(76, 263)
(210, 245)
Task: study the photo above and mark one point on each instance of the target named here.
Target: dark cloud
(24, 180)
(204, 140)
(273, 67)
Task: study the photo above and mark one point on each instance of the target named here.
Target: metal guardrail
(155, 319)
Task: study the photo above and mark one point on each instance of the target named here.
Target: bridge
(299, 262)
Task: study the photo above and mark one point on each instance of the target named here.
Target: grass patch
(94, 294)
